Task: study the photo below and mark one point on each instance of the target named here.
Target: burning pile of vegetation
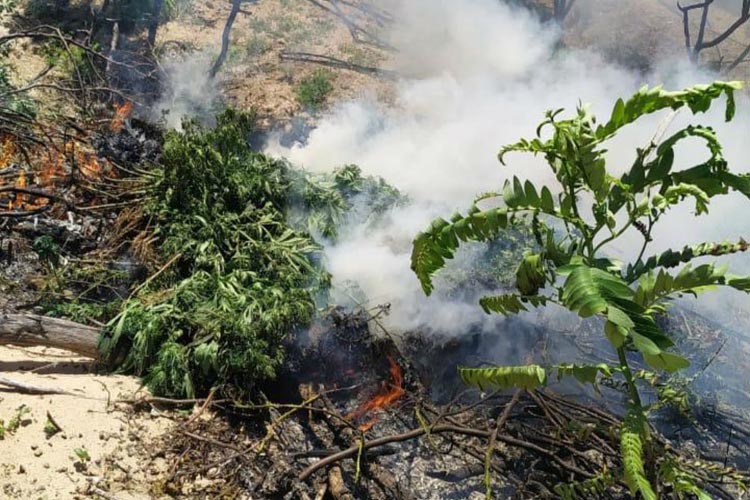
(230, 287)
(192, 260)
(233, 277)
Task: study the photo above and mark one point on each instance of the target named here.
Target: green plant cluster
(569, 264)
(74, 62)
(313, 90)
(239, 274)
(16, 103)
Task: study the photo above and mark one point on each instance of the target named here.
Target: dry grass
(254, 76)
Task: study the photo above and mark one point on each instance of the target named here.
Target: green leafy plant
(313, 90)
(15, 422)
(569, 265)
(239, 271)
(82, 455)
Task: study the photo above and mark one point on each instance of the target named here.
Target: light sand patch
(115, 438)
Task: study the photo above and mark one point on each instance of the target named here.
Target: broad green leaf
(646, 346)
(647, 101)
(547, 203)
(586, 374)
(666, 361)
(504, 377)
(619, 318)
(615, 334)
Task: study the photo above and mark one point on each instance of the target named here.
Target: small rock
(38, 453)
(21, 469)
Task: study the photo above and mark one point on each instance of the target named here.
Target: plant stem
(632, 389)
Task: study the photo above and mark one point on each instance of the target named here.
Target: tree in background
(695, 46)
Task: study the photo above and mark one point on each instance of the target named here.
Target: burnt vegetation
(191, 259)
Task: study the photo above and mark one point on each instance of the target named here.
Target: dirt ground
(112, 440)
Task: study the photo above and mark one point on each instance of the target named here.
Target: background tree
(696, 45)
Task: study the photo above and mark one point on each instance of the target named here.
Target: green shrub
(313, 90)
(240, 270)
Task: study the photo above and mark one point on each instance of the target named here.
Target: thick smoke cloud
(478, 74)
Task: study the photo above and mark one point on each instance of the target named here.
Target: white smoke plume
(478, 74)
(190, 92)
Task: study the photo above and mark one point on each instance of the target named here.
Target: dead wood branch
(27, 330)
(501, 420)
(438, 429)
(332, 62)
(358, 33)
(337, 486)
(236, 4)
(33, 389)
(45, 31)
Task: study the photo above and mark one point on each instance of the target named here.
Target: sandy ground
(35, 466)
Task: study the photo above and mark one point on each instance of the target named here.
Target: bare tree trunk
(112, 48)
(153, 25)
(32, 330)
(694, 48)
(225, 38)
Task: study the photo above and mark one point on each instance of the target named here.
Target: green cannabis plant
(575, 222)
(238, 271)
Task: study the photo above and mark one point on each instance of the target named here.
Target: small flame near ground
(122, 112)
(48, 166)
(390, 392)
(20, 198)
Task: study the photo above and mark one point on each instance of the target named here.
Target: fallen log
(28, 330)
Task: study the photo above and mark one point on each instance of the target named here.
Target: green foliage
(530, 376)
(71, 60)
(50, 427)
(313, 90)
(81, 291)
(15, 422)
(569, 266)
(14, 102)
(503, 377)
(82, 454)
(632, 435)
(8, 6)
(47, 249)
(320, 204)
(240, 270)
(590, 488)
(684, 484)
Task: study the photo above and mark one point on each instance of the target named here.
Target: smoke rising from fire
(190, 92)
(477, 74)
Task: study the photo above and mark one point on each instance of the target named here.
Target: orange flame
(386, 397)
(121, 114)
(20, 198)
(7, 151)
